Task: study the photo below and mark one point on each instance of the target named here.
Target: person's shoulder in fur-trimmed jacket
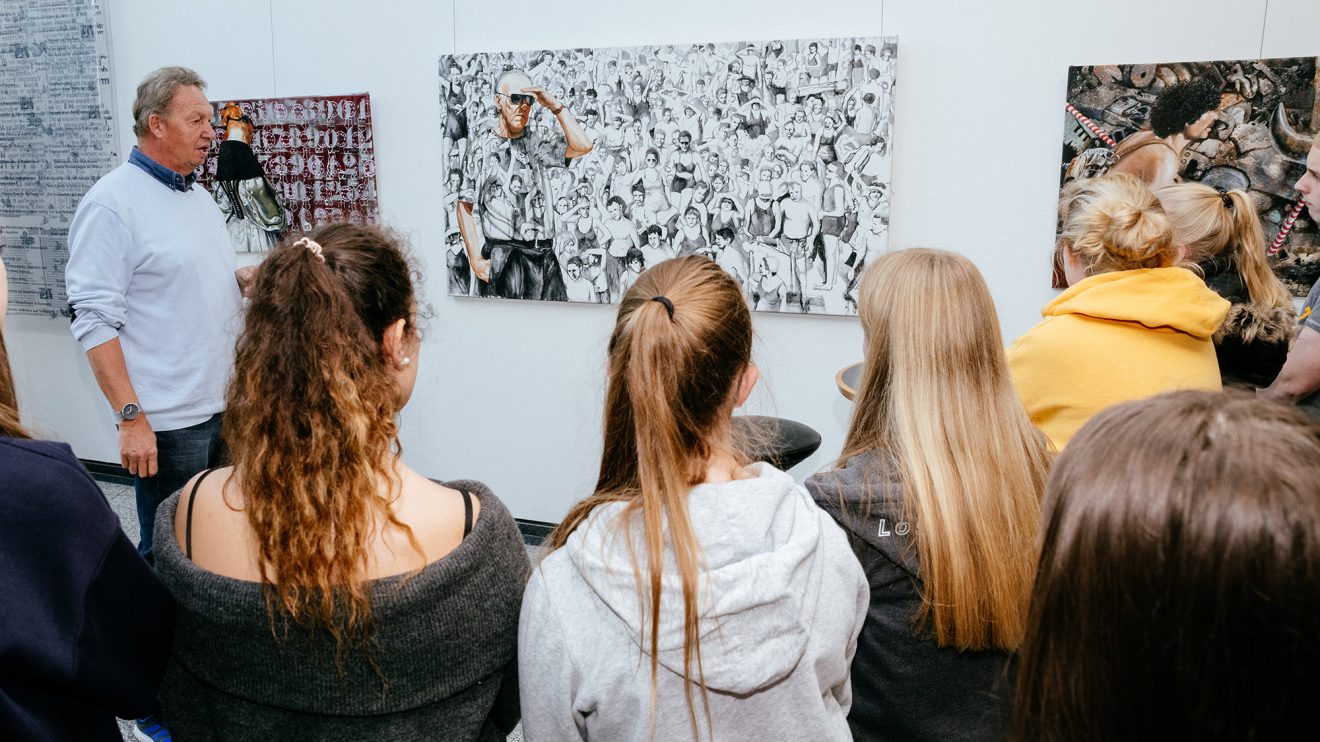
(1253, 342)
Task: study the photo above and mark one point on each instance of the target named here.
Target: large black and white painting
(569, 172)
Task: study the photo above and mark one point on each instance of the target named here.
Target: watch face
(130, 411)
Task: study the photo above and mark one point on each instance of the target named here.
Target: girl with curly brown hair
(327, 590)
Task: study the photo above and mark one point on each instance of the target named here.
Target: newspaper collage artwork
(57, 137)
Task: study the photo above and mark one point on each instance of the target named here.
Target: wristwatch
(129, 412)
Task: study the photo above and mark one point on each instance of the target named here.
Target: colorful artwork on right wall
(1240, 124)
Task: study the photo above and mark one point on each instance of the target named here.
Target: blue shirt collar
(160, 172)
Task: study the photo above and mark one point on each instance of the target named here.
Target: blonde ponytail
(666, 470)
(1211, 223)
(1263, 287)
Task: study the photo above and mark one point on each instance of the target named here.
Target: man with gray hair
(155, 295)
(506, 162)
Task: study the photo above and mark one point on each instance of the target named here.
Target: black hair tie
(1227, 199)
(669, 305)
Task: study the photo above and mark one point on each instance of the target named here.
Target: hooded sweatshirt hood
(1159, 298)
(758, 583)
(1116, 337)
(780, 601)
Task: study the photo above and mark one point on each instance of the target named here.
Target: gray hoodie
(781, 601)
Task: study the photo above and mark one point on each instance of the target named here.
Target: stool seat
(848, 379)
(780, 442)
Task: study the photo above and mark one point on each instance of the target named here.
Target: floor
(125, 506)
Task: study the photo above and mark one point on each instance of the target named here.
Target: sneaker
(151, 729)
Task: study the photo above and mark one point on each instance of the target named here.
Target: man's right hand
(137, 447)
(481, 269)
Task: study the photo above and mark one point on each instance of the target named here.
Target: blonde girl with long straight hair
(1132, 323)
(938, 484)
(1224, 239)
(691, 596)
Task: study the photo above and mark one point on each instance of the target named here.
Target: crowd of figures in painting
(771, 158)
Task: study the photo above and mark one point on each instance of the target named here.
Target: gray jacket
(781, 599)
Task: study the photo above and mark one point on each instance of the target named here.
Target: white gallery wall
(510, 392)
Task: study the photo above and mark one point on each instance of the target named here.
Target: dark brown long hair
(310, 421)
(1178, 590)
(672, 380)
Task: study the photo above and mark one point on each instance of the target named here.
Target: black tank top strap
(467, 513)
(187, 526)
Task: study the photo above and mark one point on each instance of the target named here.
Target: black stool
(779, 442)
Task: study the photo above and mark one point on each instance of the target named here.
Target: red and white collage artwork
(287, 164)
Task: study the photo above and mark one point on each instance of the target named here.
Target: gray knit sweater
(446, 647)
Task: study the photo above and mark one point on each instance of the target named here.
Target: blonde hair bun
(1115, 223)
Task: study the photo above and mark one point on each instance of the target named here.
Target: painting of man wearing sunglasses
(511, 245)
(678, 129)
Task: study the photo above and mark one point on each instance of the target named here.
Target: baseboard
(533, 531)
(106, 472)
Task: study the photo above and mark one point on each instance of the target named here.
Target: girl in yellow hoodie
(1131, 324)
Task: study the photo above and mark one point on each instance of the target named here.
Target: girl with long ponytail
(691, 596)
(1224, 239)
(326, 590)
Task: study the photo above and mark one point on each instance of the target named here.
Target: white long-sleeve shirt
(152, 265)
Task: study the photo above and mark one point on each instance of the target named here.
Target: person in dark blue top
(85, 623)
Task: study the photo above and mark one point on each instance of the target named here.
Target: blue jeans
(179, 455)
